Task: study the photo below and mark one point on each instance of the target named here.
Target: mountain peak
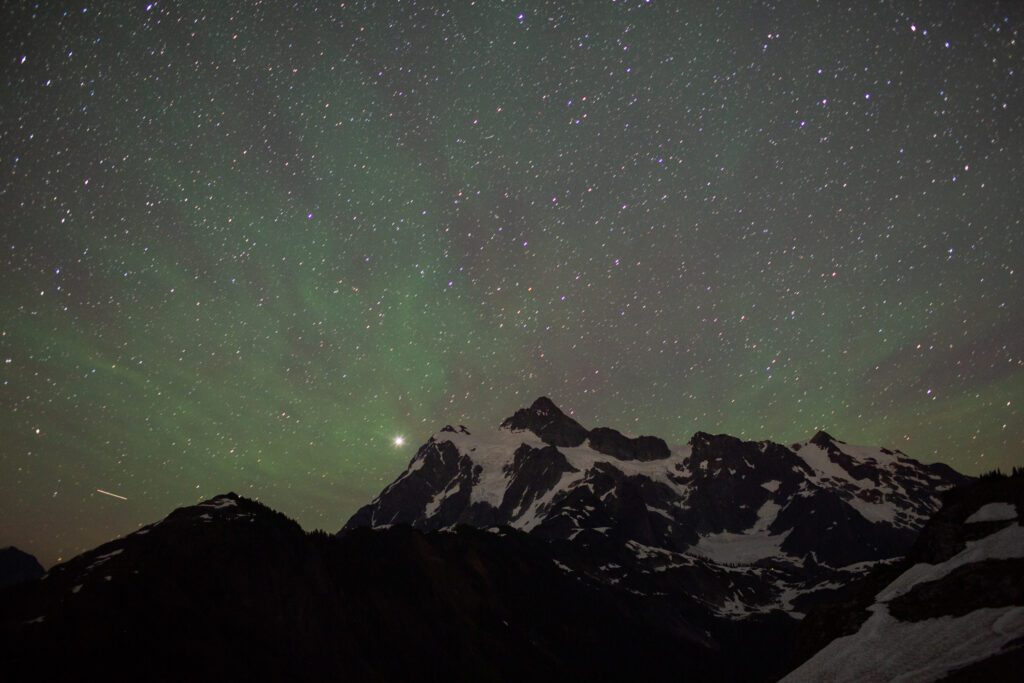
(823, 439)
(548, 422)
(545, 406)
(17, 566)
(230, 495)
(222, 508)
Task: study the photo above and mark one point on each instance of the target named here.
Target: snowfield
(887, 649)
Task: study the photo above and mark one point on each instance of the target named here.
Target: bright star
(399, 440)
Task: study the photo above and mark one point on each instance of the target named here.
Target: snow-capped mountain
(799, 518)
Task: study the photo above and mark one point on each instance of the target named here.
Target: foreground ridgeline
(543, 550)
(230, 589)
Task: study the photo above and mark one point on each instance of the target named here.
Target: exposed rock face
(986, 583)
(610, 442)
(548, 422)
(438, 466)
(533, 472)
(823, 439)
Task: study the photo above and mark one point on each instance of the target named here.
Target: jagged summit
(548, 422)
(706, 437)
(449, 428)
(824, 439)
(555, 428)
(611, 442)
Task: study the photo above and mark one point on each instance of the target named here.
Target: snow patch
(219, 503)
(585, 458)
(886, 649)
(755, 544)
(436, 501)
(730, 548)
(103, 558)
(874, 512)
(564, 567)
(994, 512)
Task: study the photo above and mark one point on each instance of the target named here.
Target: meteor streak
(112, 495)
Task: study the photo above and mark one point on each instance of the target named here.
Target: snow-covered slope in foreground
(935, 619)
(799, 518)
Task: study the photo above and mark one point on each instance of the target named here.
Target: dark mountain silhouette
(230, 588)
(17, 566)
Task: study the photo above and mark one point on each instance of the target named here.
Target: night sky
(247, 245)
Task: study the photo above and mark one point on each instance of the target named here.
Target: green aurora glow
(247, 244)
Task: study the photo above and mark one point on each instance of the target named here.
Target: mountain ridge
(812, 512)
(231, 588)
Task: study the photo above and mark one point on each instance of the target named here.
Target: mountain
(231, 589)
(750, 527)
(17, 566)
(544, 550)
(951, 610)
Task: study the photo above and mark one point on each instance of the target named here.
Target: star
(278, 276)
